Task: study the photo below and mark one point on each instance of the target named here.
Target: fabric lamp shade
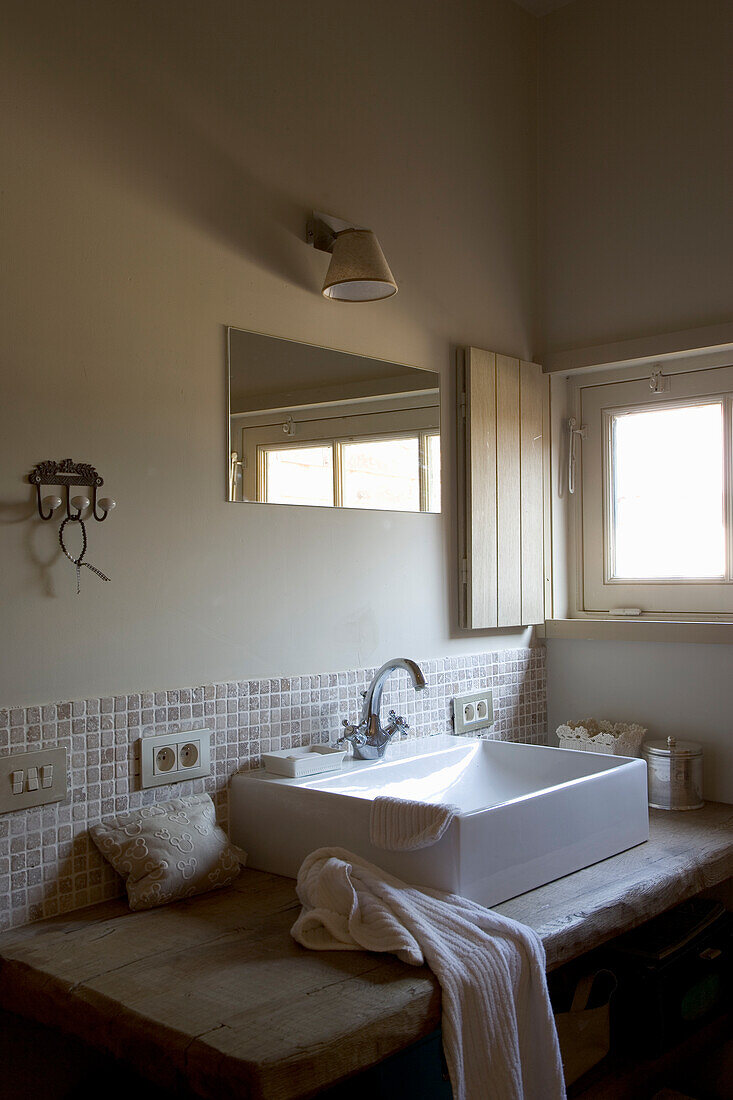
(358, 271)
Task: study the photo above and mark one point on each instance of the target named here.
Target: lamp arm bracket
(323, 229)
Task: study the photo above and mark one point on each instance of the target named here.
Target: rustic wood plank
(533, 390)
(685, 853)
(508, 493)
(480, 486)
(219, 986)
(212, 993)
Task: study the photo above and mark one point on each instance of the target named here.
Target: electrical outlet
(473, 712)
(32, 779)
(175, 757)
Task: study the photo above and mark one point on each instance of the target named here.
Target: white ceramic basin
(528, 814)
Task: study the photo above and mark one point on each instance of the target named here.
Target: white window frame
(596, 399)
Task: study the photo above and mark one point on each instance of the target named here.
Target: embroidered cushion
(168, 850)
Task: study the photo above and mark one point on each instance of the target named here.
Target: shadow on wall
(246, 116)
(41, 540)
(144, 123)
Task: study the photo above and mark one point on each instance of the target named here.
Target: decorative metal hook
(40, 505)
(105, 511)
(69, 513)
(64, 474)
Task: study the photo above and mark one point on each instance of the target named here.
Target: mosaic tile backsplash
(49, 865)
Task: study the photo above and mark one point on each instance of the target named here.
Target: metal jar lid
(672, 747)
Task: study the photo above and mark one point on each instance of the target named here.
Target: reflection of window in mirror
(395, 473)
(381, 473)
(313, 426)
(296, 475)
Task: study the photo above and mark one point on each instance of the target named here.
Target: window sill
(639, 630)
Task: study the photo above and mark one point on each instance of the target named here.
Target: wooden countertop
(214, 995)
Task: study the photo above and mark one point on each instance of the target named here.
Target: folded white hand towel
(400, 825)
(498, 1029)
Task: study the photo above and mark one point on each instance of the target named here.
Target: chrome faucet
(370, 738)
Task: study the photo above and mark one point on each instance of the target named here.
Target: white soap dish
(306, 761)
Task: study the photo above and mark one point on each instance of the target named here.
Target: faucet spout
(373, 697)
(369, 738)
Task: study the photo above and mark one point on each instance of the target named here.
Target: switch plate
(473, 712)
(31, 765)
(175, 757)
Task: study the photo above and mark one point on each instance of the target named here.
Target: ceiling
(542, 7)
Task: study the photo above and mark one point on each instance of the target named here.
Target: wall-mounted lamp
(358, 271)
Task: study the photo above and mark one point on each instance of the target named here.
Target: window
(655, 502)
(398, 472)
(666, 493)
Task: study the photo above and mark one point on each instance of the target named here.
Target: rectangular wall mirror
(310, 425)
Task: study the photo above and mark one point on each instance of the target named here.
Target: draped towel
(499, 1033)
(401, 825)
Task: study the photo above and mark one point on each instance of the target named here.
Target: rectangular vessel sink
(528, 814)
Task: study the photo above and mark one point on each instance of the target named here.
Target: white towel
(401, 825)
(498, 1029)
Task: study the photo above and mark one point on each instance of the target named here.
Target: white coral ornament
(613, 738)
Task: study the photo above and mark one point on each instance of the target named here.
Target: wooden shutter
(502, 416)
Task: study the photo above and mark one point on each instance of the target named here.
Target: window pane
(667, 486)
(381, 473)
(432, 455)
(299, 475)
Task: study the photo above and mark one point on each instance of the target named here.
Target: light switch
(32, 779)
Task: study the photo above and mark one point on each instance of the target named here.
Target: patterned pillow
(168, 850)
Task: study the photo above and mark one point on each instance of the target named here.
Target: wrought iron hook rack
(63, 475)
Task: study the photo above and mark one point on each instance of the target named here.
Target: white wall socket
(473, 712)
(175, 757)
(32, 779)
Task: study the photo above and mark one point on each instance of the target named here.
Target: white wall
(636, 109)
(159, 161)
(681, 690)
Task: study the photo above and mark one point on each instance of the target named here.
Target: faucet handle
(398, 720)
(352, 733)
